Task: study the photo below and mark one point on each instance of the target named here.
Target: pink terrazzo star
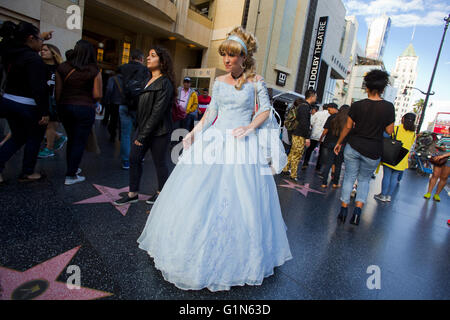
(110, 195)
(304, 190)
(39, 282)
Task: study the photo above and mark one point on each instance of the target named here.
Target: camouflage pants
(295, 155)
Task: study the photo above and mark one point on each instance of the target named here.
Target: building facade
(377, 37)
(356, 86)
(341, 92)
(326, 52)
(115, 27)
(405, 74)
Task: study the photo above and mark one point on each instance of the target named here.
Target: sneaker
(388, 198)
(380, 197)
(72, 180)
(152, 200)
(436, 198)
(46, 153)
(294, 178)
(78, 171)
(126, 165)
(126, 200)
(59, 143)
(427, 195)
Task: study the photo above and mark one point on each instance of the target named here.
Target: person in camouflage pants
(301, 134)
(295, 155)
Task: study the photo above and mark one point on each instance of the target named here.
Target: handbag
(269, 138)
(438, 163)
(392, 150)
(178, 113)
(441, 162)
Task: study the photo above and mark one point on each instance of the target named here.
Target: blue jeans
(357, 167)
(127, 124)
(188, 122)
(390, 179)
(25, 130)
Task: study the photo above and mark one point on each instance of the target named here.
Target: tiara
(237, 39)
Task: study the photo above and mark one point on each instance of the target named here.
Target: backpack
(291, 122)
(133, 85)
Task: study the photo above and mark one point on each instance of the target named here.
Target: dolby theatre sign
(317, 55)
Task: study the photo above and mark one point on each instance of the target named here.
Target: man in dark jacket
(301, 134)
(112, 100)
(126, 112)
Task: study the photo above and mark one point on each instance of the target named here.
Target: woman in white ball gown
(217, 223)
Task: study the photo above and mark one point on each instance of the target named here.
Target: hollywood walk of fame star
(304, 190)
(39, 282)
(110, 195)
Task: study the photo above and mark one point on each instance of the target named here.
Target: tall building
(341, 94)
(377, 37)
(405, 74)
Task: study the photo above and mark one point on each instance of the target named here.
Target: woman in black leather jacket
(154, 124)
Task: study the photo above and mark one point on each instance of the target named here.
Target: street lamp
(405, 91)
(422, 115)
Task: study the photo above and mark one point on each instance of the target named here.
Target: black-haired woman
(25, 100)
(332, 130)
(406, 134)
(154, 124)
(78, 88)
(367, 120)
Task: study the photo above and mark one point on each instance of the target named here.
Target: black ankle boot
(342, 215)
(356, 216)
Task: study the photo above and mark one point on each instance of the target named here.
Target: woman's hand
(138, 143)
(442, 156)
(44, 121)
(337, 149)
(47, 35)
(308, 143)
(188, 140)
(242, 131)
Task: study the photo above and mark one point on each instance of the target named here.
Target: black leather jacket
(154, 114)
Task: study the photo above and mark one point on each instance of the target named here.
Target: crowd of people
(41, 90)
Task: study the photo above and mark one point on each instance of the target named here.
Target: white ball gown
(217, 223)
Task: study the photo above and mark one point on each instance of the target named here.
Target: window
(126, 52)
(341, 47)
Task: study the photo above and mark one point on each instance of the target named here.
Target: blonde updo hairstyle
(234, 48)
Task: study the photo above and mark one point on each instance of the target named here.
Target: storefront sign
(317, 55)
(281, 78)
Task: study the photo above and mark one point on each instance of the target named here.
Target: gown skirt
(217, 223)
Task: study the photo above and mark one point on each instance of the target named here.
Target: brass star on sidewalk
(304, 190)
(110, 195)
(39, 282)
